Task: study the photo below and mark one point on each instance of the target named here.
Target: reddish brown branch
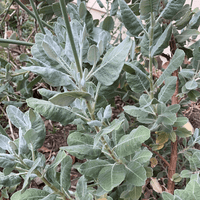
(173, 158)
(161, 157)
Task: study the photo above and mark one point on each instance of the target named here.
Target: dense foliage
(76, 58)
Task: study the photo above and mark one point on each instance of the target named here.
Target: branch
(155, 152)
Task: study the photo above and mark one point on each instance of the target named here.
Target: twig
(155, 152)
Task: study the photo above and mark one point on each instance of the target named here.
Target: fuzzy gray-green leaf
(111, 176)
(51, 76)
(136, 174)
(172, 8)
(112, 63)
(128, 144)
(66, 165)
(130, 20)
(51, 111)
(92, 168)
(162, 42)
(66, 98)
(174, 64)
(168, 89)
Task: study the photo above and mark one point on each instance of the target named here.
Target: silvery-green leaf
(93, 54)
(136, 174)
(9, 180)
(82, 10)
(191, 85)
(51, 76)
(76, 138)
(138, 81)
(80, 42)
(115, 125)
(23, 146)
(29, 193)
(173, 108)
(187, 73)
(4, 143)
(112, 63)
(50, 111)
(30, 171)
(95, 123)
(133, 194)
(166, 118)
(128, 144)
(92, 168)
(142, 156)
(186, 35)
(168, 89)
(66, 165)
(167, 196)
(196, 159)
(59, 158)
(162, 42)
(66, 98)
(101, 36)
(47, 93)
(186, 173)
(111, 176)
(82, 151)
(180, 121)
(7, 160)
(38, 127)
(50, 51)
(81, 189)
(195, 21)
(172, 8)
(174, 64)
(39, 54)
(130, 20)
(16, 116)
(107, 112)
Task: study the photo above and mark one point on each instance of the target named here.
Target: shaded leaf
(133, 194)
(130, 20)
(183, 132)
(108, 24)
(147, 6)
(172, 8)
